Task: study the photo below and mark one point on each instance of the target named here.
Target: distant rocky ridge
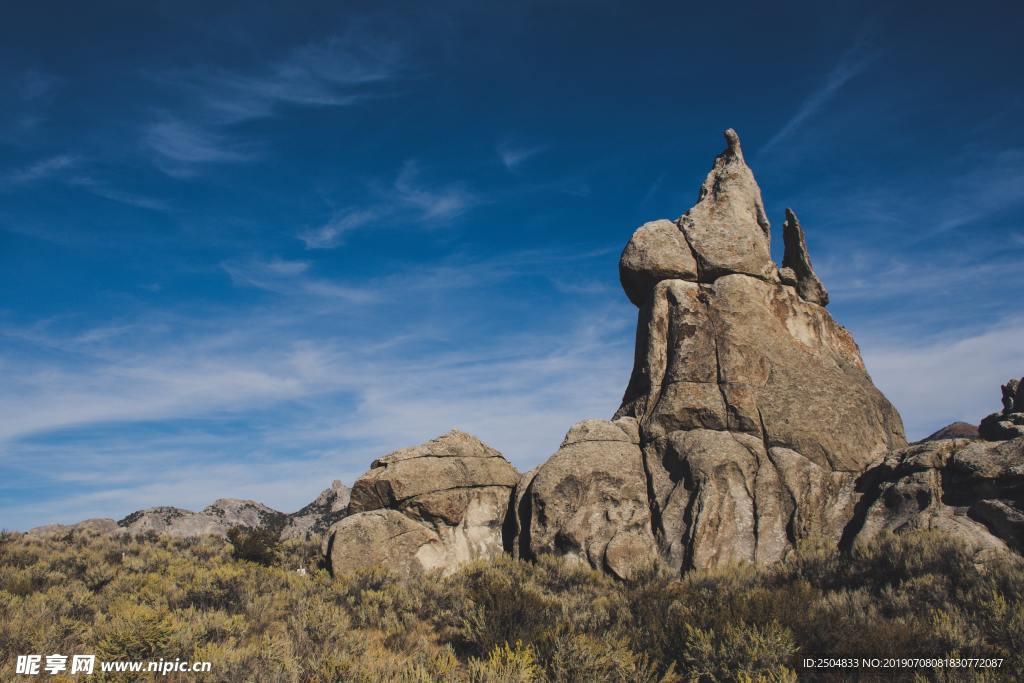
(216, 519)
(749, 424)
(954, 430)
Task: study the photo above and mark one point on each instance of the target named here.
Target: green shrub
(257, 545)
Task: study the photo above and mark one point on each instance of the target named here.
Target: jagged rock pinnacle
(727, 228)
(733, 140)
(1008, 424)
(797, 259)
(725, 232)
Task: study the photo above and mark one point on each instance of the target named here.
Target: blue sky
(244, 250)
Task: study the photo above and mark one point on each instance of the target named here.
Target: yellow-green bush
(504, 619)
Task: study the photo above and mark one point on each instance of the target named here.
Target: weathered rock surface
(315, 519)
(589, 501)
(385, 538)
(657, 251)
(754, 411)
(727, 228)
(455, 490)
(797, 260)
(970, 489)
(1008, 424)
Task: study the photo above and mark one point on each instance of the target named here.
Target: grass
(503, 619)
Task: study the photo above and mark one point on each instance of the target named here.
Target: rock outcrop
(1008, 424)
(657, 251)
(215, 519)
(589, 501)
(315, 519)
(973, 490)
(796, 263)
(431, 506)
(969, 488)
(727, 229)
(311, 522)
(753, 410)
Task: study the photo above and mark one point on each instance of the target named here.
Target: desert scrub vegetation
(502, 620)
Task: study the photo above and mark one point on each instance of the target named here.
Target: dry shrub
(503, 619)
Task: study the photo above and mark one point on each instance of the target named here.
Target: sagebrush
(284, 619)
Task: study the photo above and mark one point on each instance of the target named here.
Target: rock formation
(796, 263)
(969, 488)
(1009, 423)
(431, 506)
(748, 416)
(311, 522)
(315, 519)
(973, 490)
(727, 229)
(215, 519)
(749, 423)
(589, 500)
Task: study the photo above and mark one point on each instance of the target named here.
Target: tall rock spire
(727, 228)
(749, 415)
(797, 261)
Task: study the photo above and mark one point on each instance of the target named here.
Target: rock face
(589, 501)
(1008, 424)
(431, 506)
(796, 260)
(753, 412)
(657, 251)
(315, 519)
(727, 228)
(973, 490)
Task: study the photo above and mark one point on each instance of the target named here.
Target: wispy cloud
(332, 233)
(42, 169)
(513, 154)
(432, 203)
(906, 211)
(410, 199)
(180, 147)
(850, 65)
(338, 71)
(335, 72)
(290, 393)
(876, 276)
(994, 183)
(293, 278)
(101, 189)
